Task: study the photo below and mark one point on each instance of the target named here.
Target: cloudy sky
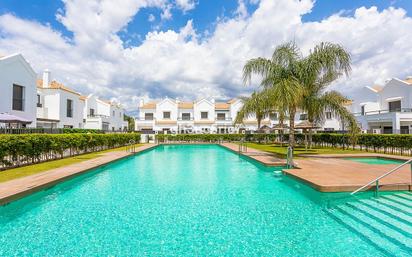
(188, 49)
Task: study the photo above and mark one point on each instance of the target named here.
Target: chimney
(46, 78)
(141, 102)
(213, 100)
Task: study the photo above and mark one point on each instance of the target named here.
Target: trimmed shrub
(32, 148)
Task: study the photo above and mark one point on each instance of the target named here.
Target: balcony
(397, 110)
(185, 119)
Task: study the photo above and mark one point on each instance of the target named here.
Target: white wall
(78, 106)
(204, 106)
(167, 105)
(15, 70)
(393, 89)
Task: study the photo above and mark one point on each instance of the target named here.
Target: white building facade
(18, 88)
(207, 116)
(387, 109)
(57, 105)
(103, 115)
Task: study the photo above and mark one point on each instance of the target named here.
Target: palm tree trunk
(292, 113)
(310, 134)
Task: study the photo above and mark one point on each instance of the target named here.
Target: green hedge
(375, 142)
(78, 130)
(32, 148)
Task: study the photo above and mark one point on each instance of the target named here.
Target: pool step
(384, 222)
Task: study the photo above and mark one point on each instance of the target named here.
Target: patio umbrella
(9, 118)
(305, 125)
(280, 128)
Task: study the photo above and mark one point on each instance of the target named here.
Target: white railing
(376, 180)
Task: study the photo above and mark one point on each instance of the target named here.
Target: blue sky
(189, 49)
(204, 15)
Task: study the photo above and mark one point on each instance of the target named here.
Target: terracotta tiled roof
(185, 105)
(56, 85)
(151, 105)
(408, 80)
(347, 103)
(222, 106)
(83, 97)
(377, 88)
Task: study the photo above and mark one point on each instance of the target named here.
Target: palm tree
(281, 82)
(256, 104)
(293, 81)
(326, 63)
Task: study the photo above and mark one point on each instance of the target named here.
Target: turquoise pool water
(375, 160)
(177, 201)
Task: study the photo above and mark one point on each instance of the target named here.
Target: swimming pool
(193, 200)
(375, 160)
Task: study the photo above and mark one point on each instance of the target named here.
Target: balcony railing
(402, 110)
(145, 118)
(185, 118)
(98, 116)
(223, 119)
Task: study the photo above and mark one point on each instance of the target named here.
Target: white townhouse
(57, 105)
(102, 114)
(18, 88)
(387, 109)
(207, 116)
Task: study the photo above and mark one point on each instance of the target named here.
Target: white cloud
(151, 18)
(167, 12)
(182, 64)
(186, 5)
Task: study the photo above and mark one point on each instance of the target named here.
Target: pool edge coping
(24, 190)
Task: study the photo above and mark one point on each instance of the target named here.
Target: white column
(396, 124)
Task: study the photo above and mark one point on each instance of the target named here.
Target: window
(18, 98)
(105, 126)
(221, 116)
(273, 116)
(68, 126)
(404, 129)
(303, 116)
(204, 115)
(362, 110)
(166, 115)
(328, 115)
(69, 108)
(38, 101)
(329, 129)
(395, 106)
(186, 116)
(91, 112)
(148, 116)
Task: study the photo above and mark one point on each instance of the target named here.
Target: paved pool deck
(333, 173)
(265, 158)
(18, 188)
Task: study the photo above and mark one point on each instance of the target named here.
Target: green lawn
(299, 150)
(44, 166)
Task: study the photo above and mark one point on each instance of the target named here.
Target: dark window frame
(18, 101)
(167, 116)
(204, 117)
(69, 108)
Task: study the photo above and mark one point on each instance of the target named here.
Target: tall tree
(280, 80)
(325, 63)
(257, 104)
(294, 81)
